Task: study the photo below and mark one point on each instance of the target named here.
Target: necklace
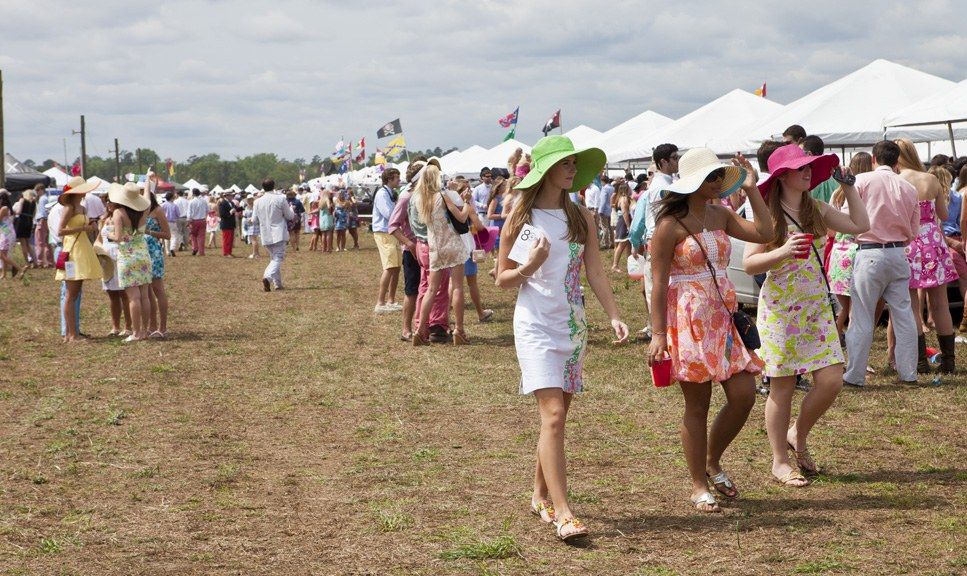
(551, 214)
(787, 207)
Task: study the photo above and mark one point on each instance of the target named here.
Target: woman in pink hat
(796, 316)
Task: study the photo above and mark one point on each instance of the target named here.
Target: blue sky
(293, 76)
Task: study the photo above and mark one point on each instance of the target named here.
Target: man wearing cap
(881, 269)
(481, 193)
(665, 157)
(273, 214)
(197, 213)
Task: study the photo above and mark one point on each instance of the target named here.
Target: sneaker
(393, 306)
(384, 309)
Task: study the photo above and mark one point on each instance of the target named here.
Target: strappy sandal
(488, 315)
(113, 333)
(790, 478)
(158, 335)
(420, 339)
(460, 339)
(571, 529)
(544, 510)
(705, 502)
(723, 485)
(804, 460)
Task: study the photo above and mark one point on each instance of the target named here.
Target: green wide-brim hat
(550, 150)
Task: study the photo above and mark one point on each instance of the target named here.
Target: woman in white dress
(550, 330)
(117, 295)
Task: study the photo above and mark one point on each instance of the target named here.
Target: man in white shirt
(273, 213)
(481, 193)
(95, 209)
(182, 223)
(665, 157)
(592, 198)
(604, 212)
(197, 213)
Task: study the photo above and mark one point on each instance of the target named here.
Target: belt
(876, 246)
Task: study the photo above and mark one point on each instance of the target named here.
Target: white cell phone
(520, 251)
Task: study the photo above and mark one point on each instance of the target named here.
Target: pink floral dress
(703, 344)
(931, 264)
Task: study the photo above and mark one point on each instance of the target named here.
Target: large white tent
(450, 159)
(851, 111)
(623, 135)
(944, 108)
(59, 177)
(192, 184)
(712, 125)
(582, 135)
(469, 164)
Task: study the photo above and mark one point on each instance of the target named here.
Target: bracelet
(659, 333)
(522, 274)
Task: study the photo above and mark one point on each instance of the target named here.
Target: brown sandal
(460, 339)
(804, 460)
(420, 339)
(790, 477)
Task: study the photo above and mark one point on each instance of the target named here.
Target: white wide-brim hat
(695, 166)
(128, 195)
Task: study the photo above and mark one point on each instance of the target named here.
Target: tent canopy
(623, 135)
(582, 136)
(851, 111)
(59, 177)
(715, 125)
(20, 177)
(947, 106)
(470, 163)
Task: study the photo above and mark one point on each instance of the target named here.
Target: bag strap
(708, 263)
(822, 269)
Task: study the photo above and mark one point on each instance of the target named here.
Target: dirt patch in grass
(293, 433)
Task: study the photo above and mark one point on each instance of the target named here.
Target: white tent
(851, 111)
(470, 163)
(251, 189)
(218, 189)
(945, 108)
(450, 159)
(623, 135)
(235, 188)
(713, 125)
(582, 135)
(192, 184)
(59, 177)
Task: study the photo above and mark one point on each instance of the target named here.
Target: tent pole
(953, 147)
(929, 155)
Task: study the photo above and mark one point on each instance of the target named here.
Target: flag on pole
(761, 91)
(395, 147)
(361, 154)
(552, 123)
(170, 165)
(390, 129)
(340, 153)
(380, 158)
(510, 119)
(511, 135)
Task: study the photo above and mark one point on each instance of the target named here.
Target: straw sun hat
(128, 195)
(78, 186)
(695, 166)
(106, 262)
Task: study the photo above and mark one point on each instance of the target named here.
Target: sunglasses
(715, 175)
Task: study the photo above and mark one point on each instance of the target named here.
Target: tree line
(212, 169)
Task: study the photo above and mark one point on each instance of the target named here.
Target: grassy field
(293, 433)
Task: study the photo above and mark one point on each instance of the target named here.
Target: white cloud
(293, 76)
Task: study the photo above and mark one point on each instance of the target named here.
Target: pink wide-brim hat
(792, 157)
(486, 238)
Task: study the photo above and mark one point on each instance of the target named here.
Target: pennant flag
(761, 91)
(511, 135)
(170, 165)
(390, 129)
(552, 123)
(510, 119)
(395, 147)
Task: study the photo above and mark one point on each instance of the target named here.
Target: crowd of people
(831, 247)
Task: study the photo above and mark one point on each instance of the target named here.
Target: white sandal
(706, 499)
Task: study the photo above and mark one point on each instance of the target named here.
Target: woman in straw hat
(134, 261)
(117, 296)
(81, 262)
(796, 315)
(550, 330)
(692, 302)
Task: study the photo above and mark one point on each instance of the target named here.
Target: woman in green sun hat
(550, 330)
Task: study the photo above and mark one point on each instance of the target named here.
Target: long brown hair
(909, 157)
(809, 217)
(577, 226)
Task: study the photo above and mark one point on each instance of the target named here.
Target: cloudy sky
(293, 76)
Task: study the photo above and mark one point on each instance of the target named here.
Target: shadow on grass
(941, 475)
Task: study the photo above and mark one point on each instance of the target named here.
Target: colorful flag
(340, 153)
(390, 129)
(511, 135)
(170, 165)
(380, 157)
(552, 123)
(510, 119)
(761, 91)
(361, 155)
(395, 147)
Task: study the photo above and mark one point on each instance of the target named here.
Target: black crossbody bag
(833, 302)
(458, 226)
(742, 322)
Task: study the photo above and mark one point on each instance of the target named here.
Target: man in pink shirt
(881, 269)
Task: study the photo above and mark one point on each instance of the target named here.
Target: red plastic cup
(805, 253)
(661, 372)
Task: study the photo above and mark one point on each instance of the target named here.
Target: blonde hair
(427, 187)
(946, 179)
(621, 190)
(909, 158)
(809, 217)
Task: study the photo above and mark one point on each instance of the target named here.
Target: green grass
(500, 547)
(391, 518)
